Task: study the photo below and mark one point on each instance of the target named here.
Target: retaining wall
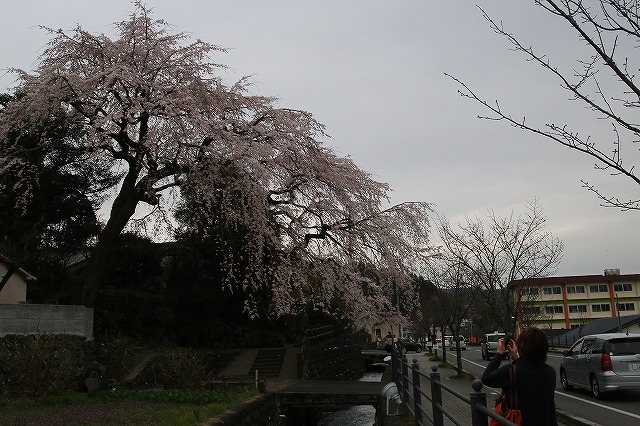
(261, 410)
(41, 319)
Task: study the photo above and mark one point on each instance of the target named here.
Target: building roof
(23, 273)
(575, 279)
(597, 326)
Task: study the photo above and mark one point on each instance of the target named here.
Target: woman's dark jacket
(535, 383)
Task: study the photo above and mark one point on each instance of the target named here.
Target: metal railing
(313, 337)
(434, 410)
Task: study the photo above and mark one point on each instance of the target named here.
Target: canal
(359, 415)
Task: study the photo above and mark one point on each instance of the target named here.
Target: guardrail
(313, 337)
(408, 380)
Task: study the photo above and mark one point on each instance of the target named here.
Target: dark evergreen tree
(48, 198)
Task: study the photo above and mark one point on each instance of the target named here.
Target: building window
(626, 306)
(599, 288)
(622, 287)
(529, 291)
(577, 309)
(555, 309)
(552, 290)
(575, 289)
(600, 307)
(531, 310)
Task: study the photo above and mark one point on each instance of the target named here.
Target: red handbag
(509, 409)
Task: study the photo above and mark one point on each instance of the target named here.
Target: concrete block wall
(41, 319)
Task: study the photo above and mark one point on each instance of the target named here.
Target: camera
(507, 340)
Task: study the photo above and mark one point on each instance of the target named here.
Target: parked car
(452, 343)
(490, 344)
(410, 345)
(602, 363)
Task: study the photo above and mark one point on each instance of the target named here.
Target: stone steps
(268, 362)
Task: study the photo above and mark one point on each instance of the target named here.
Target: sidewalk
(458, 408)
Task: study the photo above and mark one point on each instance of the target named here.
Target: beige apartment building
(572, 301)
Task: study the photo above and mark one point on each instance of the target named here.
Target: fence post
(394, 367)
(417, 396)
(436, 396)
(405, 379)
(477, 397)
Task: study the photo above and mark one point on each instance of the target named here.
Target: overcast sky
(374, 73)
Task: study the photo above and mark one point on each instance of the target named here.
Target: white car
(452, 344)
(490, 344)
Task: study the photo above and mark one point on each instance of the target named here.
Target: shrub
(37, 364)
(183, 369)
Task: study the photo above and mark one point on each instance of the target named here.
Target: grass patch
(446, 365)
(121, 407)
(463, 376)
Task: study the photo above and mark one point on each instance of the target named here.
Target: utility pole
(618, 314)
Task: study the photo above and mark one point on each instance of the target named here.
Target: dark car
(410, 345)
(602, 363)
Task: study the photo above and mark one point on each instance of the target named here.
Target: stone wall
(261, 410)
(41, 319)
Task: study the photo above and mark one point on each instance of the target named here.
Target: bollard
(436, 397)
(477, 397)
(417, 396)
(405, 379)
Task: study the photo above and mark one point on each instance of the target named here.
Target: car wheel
(565, 381)
(418, 349)
(595, 387)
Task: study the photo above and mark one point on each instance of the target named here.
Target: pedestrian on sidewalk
(535, 380)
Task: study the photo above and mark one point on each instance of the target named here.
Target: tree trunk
(444, 348)
(95, 272)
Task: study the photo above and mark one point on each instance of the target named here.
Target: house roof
(23, 273)
(574, 279)
(598, 326)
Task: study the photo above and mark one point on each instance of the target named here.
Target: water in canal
(359, 415)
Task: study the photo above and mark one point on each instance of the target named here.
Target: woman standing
(535, 380)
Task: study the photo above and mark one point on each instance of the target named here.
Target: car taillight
(605, 363)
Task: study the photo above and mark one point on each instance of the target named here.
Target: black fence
(422, 396)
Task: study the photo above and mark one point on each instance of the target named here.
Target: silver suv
(490, 344)
(602, 363)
